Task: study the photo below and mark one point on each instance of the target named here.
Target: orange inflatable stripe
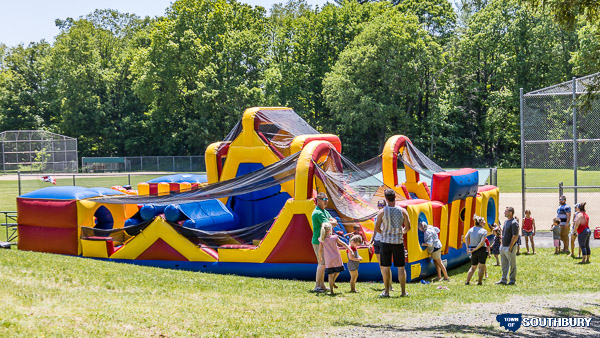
(47, 213)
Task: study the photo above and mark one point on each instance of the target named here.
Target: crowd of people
(392, 223)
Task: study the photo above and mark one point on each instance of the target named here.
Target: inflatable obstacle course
(251, 214)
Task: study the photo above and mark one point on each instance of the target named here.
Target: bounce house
(251, 214)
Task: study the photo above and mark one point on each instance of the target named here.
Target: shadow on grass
(570, 312)
(454, 329)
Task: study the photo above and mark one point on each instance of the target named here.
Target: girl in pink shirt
(328, 249)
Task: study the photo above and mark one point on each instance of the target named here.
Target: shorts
(316, 248)
(395, 251)
(377, 247)
(564, 232)
(479, 256)
(557, 243)
(334, 269)
(353, 265)
(436, 254)
(527, 233)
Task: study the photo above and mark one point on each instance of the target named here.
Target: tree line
(445, 74)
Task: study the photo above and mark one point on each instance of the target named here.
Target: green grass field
(54, 295)
(509, 180)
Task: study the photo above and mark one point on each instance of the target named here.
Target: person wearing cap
(320, 216)
(434, 247)
(564, 214)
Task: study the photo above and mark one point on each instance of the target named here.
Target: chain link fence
(143, 163)
(37, 151)
(560, 146)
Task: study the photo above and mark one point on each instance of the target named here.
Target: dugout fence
(560, 143)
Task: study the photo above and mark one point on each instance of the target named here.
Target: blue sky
(23, 21)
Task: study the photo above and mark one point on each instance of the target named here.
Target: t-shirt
(556, 232)
(331, 253)
(391, 225)
(431, 237)
(511, 228)
(476, 234)
(561, 213)
(319, 216)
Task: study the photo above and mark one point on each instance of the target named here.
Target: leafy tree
(23, 91)
(505, 47)
(372, 90)
(90, 68)
(306, 45)
(202, 67)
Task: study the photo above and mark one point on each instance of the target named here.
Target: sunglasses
(324, 199)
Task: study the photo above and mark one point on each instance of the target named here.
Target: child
(497, 231)
(328, 249)
(357, 231)
(434, 247)
(556, 235)
(529, 230)
(354, 260)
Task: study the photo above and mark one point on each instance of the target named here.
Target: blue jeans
(584, 241)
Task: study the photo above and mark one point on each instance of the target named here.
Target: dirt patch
(543, 206)
(479, 319)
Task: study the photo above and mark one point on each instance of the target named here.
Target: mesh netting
(279, 127)
(269, 176)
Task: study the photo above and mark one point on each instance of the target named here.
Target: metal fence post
(129, 179)
(522, 155)
(19, 179)
(575, 138)
(74, 180)
(560, 189)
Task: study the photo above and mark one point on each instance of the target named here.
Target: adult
(508, 251)
(320, 216)
(582, 224)
(376, 238)
(434, 246)
(392, 223)
(573, 232)
(475, 239)
(564, 214)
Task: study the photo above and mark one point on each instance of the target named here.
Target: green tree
(506, 47)
(90, 67)
(202, 68)
(373, 88)
(24, 93)
(305, 46)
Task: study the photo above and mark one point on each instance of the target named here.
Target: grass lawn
(46, 294)
(509, 180)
